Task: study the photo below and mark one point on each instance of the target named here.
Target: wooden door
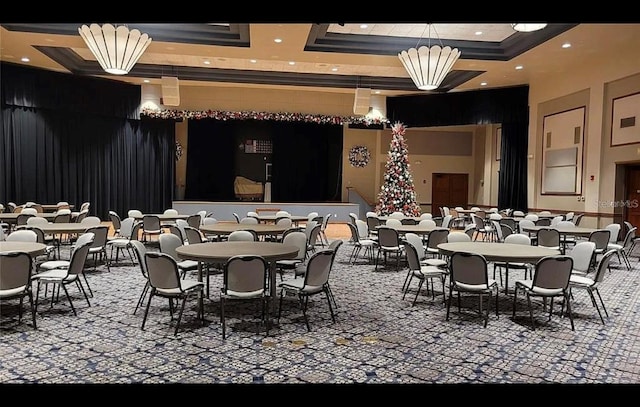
(632, 186)
(448, 190)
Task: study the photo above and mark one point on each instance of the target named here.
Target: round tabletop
(387, 217)
(11, 217)
(273, 218)
(575, 231)
(32, 248)
(222, 251)
(417, 229)
(63, 227)
(224, 228)
(161, 216)
(502, 252)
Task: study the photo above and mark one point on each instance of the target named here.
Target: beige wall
(592, 83)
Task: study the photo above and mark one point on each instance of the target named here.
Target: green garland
(180, 115)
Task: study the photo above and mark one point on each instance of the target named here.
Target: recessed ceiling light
(334, 69)
(518, 67)
(483, 83)
(291, 63)
(207, 62)
(25, 59)
(278, 40)
(566, 45)
(146, 81)
(377, 92)
(363, 26)
(478, 32)
(253, 61)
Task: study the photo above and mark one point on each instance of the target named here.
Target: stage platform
(223, 211)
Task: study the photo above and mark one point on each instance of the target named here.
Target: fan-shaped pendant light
(429, 65)
(116, 49)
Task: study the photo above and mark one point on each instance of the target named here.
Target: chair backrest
(627, 225)
(355, 234)
(426, 216)
(552, 273)
(314, 235)
(468, 269)
(603, 265)
(101, 235)
(12, 206)
(237, 217)
(298, 239)
(506, 230)
(126, 228)
(325, 221)
(581, 254)
(140, 251)
(532, 217)
(151, 223)
(509, 222)
(250, 220)
(310, 215)
(556, 220)
(517, 214)
(241, 235)
(22, 235)
(178, 231)
(396, 215)
(436, 237)
(85, 206)
(353, 217)
(135, 231)
(408, 221)
(170, 212)
(518, 238)
(388, 237)
(498, 229)
(82, 215)
(495, 216)
(134, 213)
(569, 216)
(478, 221)
(470, 230)
(29, 211)
(203, 214)
(162, 271)
(23, 218)
(566, 224)
(284, 221)
(80, 252)
(427, 222)
(577, 219)
(413, 255)
(193, 235)
(372, 222)
(194, 220)
(614, 228)
(245, 274)
(209, 221)
(416, 241)
(37, 220)
(393, 222)
(548, 237)
(62, 218)
(40, 235)
(285, 213)
(91, 221)
(525, 223)
(543, 222)
(115, 220)
(335, 245)
(15, 270)
(169, 243)
(446, 221)
(628, 238)
(458, 237)
(601, 238)
(318, 268)
(362, 229)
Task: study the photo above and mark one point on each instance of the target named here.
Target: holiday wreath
(359, 156)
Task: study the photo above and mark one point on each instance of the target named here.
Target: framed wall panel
(625, 125)
(562, 151)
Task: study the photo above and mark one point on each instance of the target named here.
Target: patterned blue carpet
(378, 337)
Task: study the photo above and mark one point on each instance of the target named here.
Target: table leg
(506, 278)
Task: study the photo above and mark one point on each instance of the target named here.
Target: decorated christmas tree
(397, 193)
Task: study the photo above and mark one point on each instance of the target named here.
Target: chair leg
(418, 291)
(142, 295)
(184, 301)
(146, 311)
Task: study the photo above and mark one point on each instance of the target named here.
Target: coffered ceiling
(326, 56)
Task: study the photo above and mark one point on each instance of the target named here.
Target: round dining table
(417, 229)
(32, 248)
(225, 228)
(11, 217)
(500, 252)
(564, 230)
(295, 219)
(220, 252)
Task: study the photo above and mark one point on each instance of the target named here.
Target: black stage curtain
(506, 106)
(210, 160)
(52, 150)
(306, 160)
